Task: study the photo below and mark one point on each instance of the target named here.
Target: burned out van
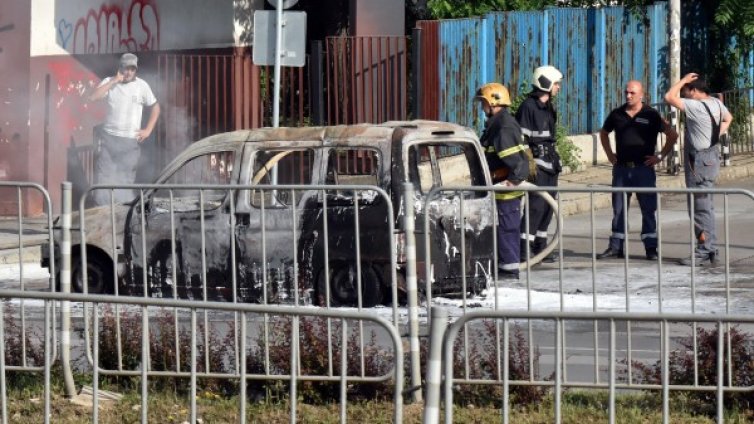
(242, 215)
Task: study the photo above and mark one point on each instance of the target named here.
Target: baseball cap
(129, 59)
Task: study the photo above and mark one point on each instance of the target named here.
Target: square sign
(293, 47)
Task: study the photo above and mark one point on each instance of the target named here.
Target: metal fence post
(65, 287)
(438, 325)
(416, 70)
(725, 147)
(317, 83)
(413, 296)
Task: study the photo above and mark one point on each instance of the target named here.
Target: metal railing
(552, 289)
(239, 371)
(740, 103)
(188, 322)
(617, 356)
(20, 336)
(726, 239)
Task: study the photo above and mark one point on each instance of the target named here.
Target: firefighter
(537, 118)
(505, 153)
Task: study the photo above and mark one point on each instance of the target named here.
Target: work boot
(504, 274)
(522, 248)
(611, 253)
(651, 253)
(699, 258)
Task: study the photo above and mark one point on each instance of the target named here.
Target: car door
(460, 246)
(179, 242)
(269, 222)
(349, 216)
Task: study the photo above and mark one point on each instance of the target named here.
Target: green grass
(580, 407)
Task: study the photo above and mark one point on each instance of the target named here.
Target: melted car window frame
(221, 165)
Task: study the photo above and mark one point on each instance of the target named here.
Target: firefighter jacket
(538, 125)
(504, 150)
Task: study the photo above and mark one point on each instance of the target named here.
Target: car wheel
(99, 273)
(343, 287)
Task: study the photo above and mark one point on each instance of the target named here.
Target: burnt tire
(99, 274)
(343, 287)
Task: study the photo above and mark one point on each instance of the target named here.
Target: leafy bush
(315, 346)
(162, 348)
(17, 345)
(483, 364)
(681, 364)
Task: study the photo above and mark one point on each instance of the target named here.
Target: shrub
(681, 367)
(483, 364)
(315, 361)
(14, 349)
(162, 348)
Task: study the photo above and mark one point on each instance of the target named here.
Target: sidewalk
(742, 166)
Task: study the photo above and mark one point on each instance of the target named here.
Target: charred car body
(247, 238)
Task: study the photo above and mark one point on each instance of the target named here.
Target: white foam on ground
(578, 288)
(608, 289)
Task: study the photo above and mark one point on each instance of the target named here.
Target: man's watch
(659, 156)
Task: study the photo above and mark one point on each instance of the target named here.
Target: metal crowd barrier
(248, 314)
(552, 283)
(199, 315)
(260, 224)
(596, 230)
(18, 348)
(610, 358)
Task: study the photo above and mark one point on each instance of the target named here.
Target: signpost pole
(278, 52)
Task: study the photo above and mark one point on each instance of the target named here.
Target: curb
(31, 254)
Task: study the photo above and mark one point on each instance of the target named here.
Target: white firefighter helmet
(545, 76)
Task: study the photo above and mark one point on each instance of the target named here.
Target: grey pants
(701, 170)
(116, 164)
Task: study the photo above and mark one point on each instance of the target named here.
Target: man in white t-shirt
(122, 133)
(707, 119)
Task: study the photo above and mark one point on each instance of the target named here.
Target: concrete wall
(591, 149)
(116, 26)
(14, 99)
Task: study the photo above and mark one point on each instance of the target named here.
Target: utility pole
(675, 41)
(675, 76)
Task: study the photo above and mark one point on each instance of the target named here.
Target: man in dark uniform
(636, 127)
(508, 163)
(538, 119)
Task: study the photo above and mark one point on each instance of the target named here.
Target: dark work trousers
(635, 175)
(540, 215)
(116, 164)
(702, 168)
(509, 219)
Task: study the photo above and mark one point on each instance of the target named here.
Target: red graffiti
(70, 110)
(114, 30)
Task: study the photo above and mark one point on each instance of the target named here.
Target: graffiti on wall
(112, 29)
